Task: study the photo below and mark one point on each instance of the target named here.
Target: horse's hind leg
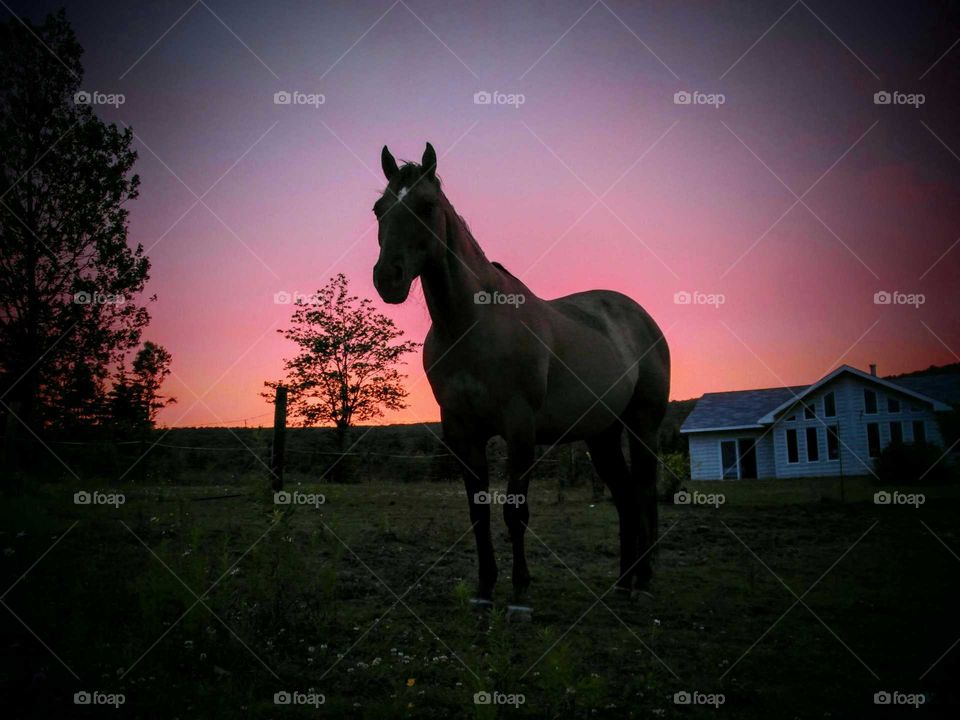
(644, 444)
(607, 456)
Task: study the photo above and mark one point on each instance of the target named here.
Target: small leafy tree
(346, 369)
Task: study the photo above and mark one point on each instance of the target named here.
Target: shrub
(910, 464)
(675, 472)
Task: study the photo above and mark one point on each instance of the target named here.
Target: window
(809, 411)
(919, 431)
(833, 442)
(893, 405)
(813, 444)
(728, 457)
(896, 432)
(873, 439)
(830, 405)
(793, 451)
(869, 402)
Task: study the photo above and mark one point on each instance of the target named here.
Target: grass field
(784, 600)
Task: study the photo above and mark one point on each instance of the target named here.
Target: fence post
(279, 438)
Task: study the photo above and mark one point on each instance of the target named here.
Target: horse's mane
(410, 172)
(500, 267)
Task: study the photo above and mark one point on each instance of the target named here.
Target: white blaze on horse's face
(403, 191)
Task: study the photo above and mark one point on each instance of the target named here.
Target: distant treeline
(402, 453)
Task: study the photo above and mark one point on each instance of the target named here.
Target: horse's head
(411, 223)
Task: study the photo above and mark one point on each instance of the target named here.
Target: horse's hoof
(621, 591)
(481, 604)
(519, 613)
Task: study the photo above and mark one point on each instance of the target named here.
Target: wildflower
(411, 682)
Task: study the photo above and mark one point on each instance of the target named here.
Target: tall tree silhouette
(68, 279)
(346, 370)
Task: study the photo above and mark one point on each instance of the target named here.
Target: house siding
(705, 453)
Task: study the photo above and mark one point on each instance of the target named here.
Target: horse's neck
(453, 278)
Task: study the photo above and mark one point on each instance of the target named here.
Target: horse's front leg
(473, 458)
(521, 441)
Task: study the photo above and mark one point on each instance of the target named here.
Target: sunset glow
(791, 204)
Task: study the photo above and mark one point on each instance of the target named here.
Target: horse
(502, 361)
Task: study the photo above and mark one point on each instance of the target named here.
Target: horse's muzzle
(391, 282)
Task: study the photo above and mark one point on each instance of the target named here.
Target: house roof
(752, 409)
(945, 388)
(737, 409)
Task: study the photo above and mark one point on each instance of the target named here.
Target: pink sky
(295, 209)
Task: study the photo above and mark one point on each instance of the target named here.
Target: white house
(837, 425)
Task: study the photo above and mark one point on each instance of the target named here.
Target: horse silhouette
(502, 361)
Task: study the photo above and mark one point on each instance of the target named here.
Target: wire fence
(203, 456)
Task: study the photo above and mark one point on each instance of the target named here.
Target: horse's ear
(388, 164)
(429, 161)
